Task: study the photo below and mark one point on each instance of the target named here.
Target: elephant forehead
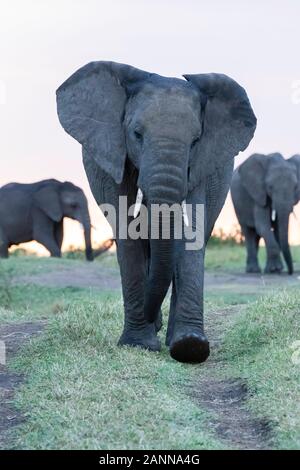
(282, 173)
(170, 103)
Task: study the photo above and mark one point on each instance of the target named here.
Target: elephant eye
(195, 141)
(138, 135)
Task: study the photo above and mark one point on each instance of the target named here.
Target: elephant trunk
(165, 187)
(87, 237)
(161, 269)
(283, 230)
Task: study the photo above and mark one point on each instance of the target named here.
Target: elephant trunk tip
(89, 254)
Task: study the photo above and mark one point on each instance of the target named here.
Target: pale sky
(42, 42)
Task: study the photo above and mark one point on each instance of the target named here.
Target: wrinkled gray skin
(262, 184)
(175, 139)
(36, 212)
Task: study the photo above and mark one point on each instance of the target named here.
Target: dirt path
(243, 283)
(86, 275)
(92, 275)
(232, 422)
(14, 336)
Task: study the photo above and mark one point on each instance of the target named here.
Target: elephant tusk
(184, 213)
(273, 215)
(138, 203)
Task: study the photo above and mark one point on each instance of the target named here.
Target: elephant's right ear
(91, 106)
(295, 161)
(253, 174)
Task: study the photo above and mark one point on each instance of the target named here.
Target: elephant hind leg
(3, 250)
(3, 245)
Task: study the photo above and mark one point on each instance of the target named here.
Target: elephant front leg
(49, 242)
(274, 263)
(44, 233)
(133, 267)
(264, 229)
(186, 337)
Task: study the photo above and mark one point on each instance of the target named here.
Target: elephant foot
(136, 339)
(253, 268)
(190, 347)
(274, 266)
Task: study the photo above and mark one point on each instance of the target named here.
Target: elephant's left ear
(47, 199)
(228, 123)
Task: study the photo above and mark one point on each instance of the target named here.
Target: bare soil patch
(230, 419)
(225, 399)
(244, 282)
(14, 336)
(87, 275)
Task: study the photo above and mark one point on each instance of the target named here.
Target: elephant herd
(169, 141)
(36, 212)
(264, 190)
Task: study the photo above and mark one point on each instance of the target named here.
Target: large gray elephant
(264, 190)
(174, 140)
(36, 212)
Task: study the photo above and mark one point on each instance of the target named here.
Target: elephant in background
(264, 190)
(170, 140)
(36, 212)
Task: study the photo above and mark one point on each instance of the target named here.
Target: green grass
(17, 264)
(83, 392)
(224, 257)
(258, 347)
(31, 302)
(228, 257)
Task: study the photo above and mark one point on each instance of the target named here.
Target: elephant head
(58, 200)
(175, 132)
(273, 182)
